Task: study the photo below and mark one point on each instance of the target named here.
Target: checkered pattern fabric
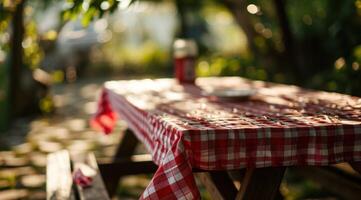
(184, 128)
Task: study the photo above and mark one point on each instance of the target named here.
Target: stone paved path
(22, 162)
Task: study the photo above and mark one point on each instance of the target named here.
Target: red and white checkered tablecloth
(278, 126)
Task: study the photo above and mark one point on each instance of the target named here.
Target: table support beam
(127, 146)
(261, 183)
(356, 166)
(218, 184)
(110, 172)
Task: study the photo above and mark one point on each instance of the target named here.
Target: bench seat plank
(59, 178)
(97, 189)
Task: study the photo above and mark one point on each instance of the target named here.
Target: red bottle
(185, 54)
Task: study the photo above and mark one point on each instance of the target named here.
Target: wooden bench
(59, 185)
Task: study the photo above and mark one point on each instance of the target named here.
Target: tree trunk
(181, 11)
(290, 51)
(16, 56)
(238, 10)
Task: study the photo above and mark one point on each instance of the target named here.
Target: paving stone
(77, 124)
(79, 146)
(89, 134)
(38, 124)
(49, 147)
(15, 161)
(33, 181)
(14, 194)
(48, 130)
(60, 100)
(34, 138)
(68, 127)
(4, 154)
(16, 171)
(108, 151)
(4, 184)
(89, 91)
(60, 133)
(24, 148)
(37, 195)
(38, 159)
(105, 140)
(90, 107)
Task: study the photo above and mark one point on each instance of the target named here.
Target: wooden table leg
(261, 183)
(218, 184)
(127, 147)
(124, 152)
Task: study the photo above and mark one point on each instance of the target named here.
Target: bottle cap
(184, 47)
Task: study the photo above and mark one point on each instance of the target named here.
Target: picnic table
(185, 131)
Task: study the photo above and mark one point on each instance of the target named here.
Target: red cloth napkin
(81, 179)
(104, 119)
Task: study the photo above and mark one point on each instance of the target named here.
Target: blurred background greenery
(312, 43)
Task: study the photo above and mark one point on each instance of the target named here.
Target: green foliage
(147, 58)
(328, 35)
(326, 40)
(6, 9)
(33, 54)
(237, 66)
(88, 9)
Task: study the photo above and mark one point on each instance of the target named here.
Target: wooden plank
(261, 183)
(344, 184)
(127, 167)
(58, 176)
(218, 184)
(97, 189)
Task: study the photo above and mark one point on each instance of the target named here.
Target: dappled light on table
(274, 105)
